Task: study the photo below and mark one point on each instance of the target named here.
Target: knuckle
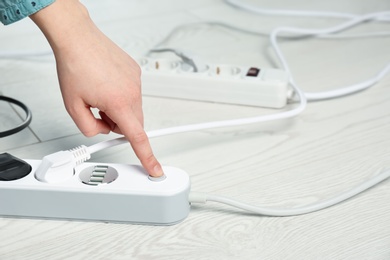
(72, 111)
(125, 101)
(117, 104)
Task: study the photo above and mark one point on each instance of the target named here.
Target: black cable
(24, 124)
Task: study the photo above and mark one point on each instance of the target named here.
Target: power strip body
(218, 83)
(131, 197)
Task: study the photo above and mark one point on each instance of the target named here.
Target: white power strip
(216, 83)
(100, 192)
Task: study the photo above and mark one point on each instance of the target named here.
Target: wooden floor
(332, 146)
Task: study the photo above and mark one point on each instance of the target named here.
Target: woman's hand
(94, 72)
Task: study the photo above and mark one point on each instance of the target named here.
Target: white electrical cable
(106, 144)
(302, 96)
(356, 35)
(202, 126)
(335, 29)
(196, 197)
(312, 32)
(349, 89)
(263, 34)
(298, 13)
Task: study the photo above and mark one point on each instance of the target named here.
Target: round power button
(157, 179)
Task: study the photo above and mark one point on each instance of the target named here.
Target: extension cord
(120, 192)
(100, 192)
(230, 84)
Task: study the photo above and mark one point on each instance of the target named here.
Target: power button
(157, 179)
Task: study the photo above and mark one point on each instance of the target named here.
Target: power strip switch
(98, 192)
(215, 83)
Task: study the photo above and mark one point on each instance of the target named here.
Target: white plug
(59, 166)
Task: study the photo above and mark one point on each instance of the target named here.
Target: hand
(94, 72)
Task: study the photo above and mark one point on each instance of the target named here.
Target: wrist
(65, 23)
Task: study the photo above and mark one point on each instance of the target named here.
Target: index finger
(135, 134)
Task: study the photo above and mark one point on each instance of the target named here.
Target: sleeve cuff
(22, 9)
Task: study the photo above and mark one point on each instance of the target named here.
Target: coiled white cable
(301, 95)
(335, 29)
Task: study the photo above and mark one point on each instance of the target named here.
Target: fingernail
(157, 171)
(105, 132)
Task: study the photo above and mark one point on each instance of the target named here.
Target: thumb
(86, 121)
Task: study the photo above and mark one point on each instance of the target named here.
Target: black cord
(23, 125)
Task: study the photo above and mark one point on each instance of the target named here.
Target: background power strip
(100, 192)
(215, 83)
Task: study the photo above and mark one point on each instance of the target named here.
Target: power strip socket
(100, 192)
(215, 83)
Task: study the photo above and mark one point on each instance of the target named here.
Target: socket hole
(227, 71)
(98, 175)
(142, 62)
(164, 65)
(187, 68)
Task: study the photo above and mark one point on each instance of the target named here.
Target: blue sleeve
(15, 10)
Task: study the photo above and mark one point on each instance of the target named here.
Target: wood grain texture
(331, 147)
